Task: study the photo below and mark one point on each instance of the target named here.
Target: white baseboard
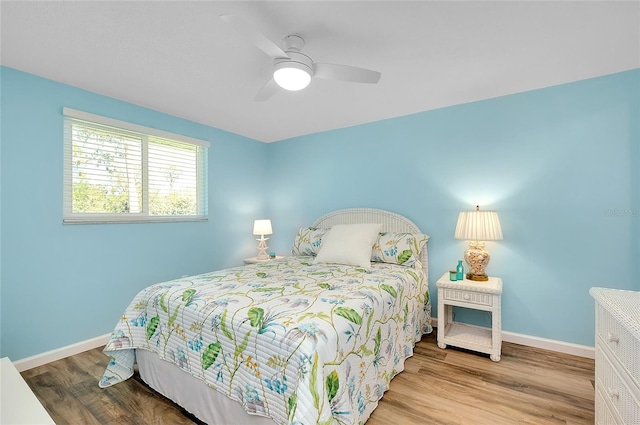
(544, 343)
(550, 344)
(60, 353)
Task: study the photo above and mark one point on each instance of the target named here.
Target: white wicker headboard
(391, 222)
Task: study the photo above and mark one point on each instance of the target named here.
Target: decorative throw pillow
(308, 241)
(399, 248)
(349, 244)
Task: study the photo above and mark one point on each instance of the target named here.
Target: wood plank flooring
(527, 386)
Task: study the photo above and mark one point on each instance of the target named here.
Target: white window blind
(121, 172)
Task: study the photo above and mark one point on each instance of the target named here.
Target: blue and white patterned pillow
(308, 241)
(399, 248)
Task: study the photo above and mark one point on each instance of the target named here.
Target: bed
(307, 339)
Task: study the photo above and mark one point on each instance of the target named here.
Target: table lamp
(476, 227)
(262, 227)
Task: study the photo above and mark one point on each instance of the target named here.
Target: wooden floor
(527, 386)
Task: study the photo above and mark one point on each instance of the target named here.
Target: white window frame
(69, 217)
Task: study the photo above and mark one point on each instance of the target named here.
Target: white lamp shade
(478, 226)
(262, 227)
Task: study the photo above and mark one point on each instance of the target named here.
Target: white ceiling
(180, 58)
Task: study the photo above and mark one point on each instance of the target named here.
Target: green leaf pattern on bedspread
(298, 342)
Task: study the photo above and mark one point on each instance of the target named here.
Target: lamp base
(477, 258)
(262, 248)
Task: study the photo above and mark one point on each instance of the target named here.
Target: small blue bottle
(459, 271)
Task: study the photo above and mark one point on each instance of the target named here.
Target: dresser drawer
(604, 415)
(468, 297)
(620, 341)
(614, 390)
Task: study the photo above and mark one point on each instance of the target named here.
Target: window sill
(129, 220)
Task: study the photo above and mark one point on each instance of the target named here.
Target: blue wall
(63, 284)
(560, 165)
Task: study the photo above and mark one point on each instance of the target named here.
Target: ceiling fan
(292, 69)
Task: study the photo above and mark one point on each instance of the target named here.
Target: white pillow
(349, 244)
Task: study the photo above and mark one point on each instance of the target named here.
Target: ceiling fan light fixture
(292, 78)
(293, 73)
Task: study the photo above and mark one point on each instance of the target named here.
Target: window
(120, 172)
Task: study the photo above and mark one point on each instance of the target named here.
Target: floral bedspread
(298, 342)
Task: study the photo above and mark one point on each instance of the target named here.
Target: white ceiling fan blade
(330, 71)
(269, 89)
(252, 36)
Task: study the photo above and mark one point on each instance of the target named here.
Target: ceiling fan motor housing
(295, 60)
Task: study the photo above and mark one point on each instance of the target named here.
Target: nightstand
(474, 295)
(254, 260)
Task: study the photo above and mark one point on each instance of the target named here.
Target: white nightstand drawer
(615, 391)
(620, 341)
(468, 297)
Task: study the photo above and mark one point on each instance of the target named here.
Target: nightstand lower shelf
(467, 336)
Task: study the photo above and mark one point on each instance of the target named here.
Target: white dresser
(617, 356)
(18, 405)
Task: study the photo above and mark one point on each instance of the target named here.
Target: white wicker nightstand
(475, 295)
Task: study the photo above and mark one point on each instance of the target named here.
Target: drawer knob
(466, 297)
(613, 338)
(613, 393)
